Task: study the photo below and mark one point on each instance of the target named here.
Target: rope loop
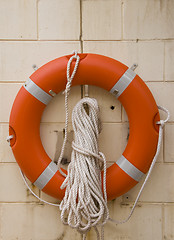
(70, 78)
(75, 53)
(162, 122)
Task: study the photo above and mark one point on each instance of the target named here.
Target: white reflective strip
(129, 168)
(123, 83)
(37, 92)
(46, 175)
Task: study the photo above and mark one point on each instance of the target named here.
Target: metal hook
(134, 66)
(86, 90)
(35, 67)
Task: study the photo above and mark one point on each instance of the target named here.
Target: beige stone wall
(36, 31)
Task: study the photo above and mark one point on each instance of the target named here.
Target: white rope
(66, 92)
(83, 205)
(161, 124)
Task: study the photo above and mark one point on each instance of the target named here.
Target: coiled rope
(84, 205)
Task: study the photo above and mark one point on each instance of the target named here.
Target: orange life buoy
(96, 70)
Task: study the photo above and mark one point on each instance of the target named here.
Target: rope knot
(161, 123)
(75, 53)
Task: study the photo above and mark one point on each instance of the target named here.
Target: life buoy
(100, 71)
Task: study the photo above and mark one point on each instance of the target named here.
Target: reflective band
(129, 168)
(37, 92)
(123, 83)
(46, 175)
